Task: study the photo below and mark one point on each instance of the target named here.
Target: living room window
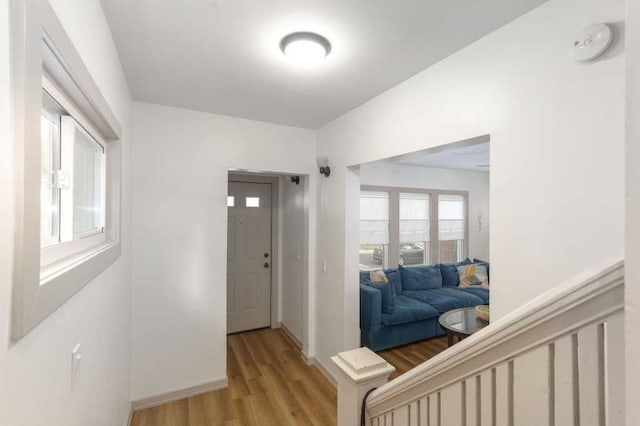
(414, 229)
(451, 228)
(395, 226)
(374, 229)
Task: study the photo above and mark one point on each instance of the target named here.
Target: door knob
(266, 265)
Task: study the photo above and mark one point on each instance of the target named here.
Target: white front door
(248, 256)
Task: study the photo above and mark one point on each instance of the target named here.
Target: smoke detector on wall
(591, 43)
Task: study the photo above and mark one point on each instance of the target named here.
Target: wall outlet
(76, 357)
(323, 265)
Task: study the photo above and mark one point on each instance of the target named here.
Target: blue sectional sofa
(407, 309)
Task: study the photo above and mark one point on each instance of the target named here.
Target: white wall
(476, 183)
(35, 371)
(632, 255)
(180, 226)
(294, 256)
(557, 157)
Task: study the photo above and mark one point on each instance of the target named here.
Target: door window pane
(414, 229)
(374, 229)
(451, 228)
(252, 202)
(231, 201)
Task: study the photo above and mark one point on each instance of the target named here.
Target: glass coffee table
(461, 323)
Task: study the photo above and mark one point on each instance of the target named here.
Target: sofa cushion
(408, 310)
(445, 299)
(388, 295)
(449, 272)
(482, 293)
(393, 276)
(421, 277)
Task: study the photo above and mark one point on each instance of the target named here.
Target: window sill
(94, 255)
(60, 281)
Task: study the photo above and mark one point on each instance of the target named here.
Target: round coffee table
(461, 323)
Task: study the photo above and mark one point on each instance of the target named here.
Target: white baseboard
(324, 370)
(156, 400)
(307, 359)
(128, 423)
(292, 336)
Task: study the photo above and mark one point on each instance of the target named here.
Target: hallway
(269, 384)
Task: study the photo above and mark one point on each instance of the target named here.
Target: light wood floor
(404, 358)
(270, 385)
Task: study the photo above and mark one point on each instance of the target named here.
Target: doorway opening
(249, 255)
(268, 253)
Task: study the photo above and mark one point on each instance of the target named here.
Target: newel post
(360, 370)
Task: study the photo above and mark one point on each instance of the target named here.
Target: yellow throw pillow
(378, 276)
(473, 275)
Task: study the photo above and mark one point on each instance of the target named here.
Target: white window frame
(394, 220)
(52, 254)
(43, 56)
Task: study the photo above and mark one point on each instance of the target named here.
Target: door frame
(274, 181)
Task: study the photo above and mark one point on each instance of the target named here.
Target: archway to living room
(423, 248)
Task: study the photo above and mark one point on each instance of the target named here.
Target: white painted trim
(324, 370)
(34, 23)
(306, 358)
(130, 416)
(291, 336)
(154, 401)
(561, 311)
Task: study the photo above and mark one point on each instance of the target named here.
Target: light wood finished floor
(404, 358)
(270, 385)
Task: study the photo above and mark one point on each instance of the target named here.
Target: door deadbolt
(266, 255)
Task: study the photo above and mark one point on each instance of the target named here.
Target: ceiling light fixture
(305, 49)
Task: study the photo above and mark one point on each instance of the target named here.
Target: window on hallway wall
(396, 227)
(68, 146)
(374, 230)
(72, 186)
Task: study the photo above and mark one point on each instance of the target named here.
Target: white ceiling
(222, 56)
(474, 157)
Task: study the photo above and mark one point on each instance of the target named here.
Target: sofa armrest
(370, 307)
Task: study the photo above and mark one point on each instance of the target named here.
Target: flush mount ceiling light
(305, 49)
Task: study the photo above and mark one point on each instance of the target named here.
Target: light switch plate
(76, 357)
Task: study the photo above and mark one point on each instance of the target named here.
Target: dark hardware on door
(266, 265)
(266, 255)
